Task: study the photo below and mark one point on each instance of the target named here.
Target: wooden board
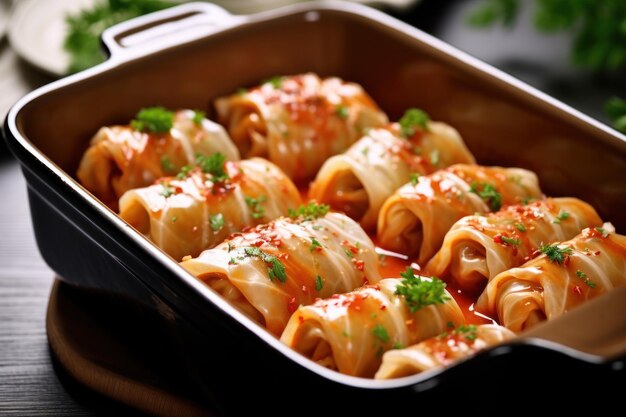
(107, 346)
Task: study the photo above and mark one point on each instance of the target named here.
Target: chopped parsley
(256, 204)
(419, 292)
(309, 211)
(563, 215)
(555, 254)
(527, 200)
(167, 191)
(380, 333)
(216, 221)
(602, 231)
(174, 218)
(580, 274)
(213, 164)
(398, 345)
(520, 227)
(198, 116)
(154, 119)
(414, 178)
(184, 171)
(488, 193)
(469, 331)
(319, 284)
(314, 245)
(342, 112)
(276, 81)
(275, 268)
(510, 240)
(167, 165)
(365, 151)
(413, 118)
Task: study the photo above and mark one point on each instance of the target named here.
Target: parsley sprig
(256, 204)
(154, 119)
(555, 253)
(309, 211)
(275, 268)
(213, 164)
(413, 118)
(488, 193)
(419, 292)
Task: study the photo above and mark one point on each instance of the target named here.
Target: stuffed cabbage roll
(479, 247)
(351, 332)
(202, 206)
(564, 276)
(298, 121)
(415, 219)
(156, 144)
(359, 180)
(442, 350)
(269, 270)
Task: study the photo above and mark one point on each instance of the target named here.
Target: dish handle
(167, 27)
(597, 328)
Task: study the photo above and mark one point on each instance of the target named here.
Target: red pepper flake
(359, 264)
(577, 290)
(383, 307)
(291, 305)
(300, 319)
(566, 261)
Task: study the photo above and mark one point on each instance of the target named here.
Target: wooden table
(29, 382)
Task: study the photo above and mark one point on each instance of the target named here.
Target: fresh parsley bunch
(85, 27)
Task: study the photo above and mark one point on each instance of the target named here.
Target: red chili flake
(596, 253)
(566, 261)
(383, 307)
(359, 264)
(577, 290)
(300, 319)
(498, 239)
(258, 243)
(291, 305)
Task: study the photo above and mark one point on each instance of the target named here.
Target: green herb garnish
(555, 253)
(314, 245)
(276, 81)
(380, 333)
(275, 268)
(216, 221)
(154, 119)
(255, 204)
(520, 227)
(184, 171)
(413, 118)
(418, 292)
(319, 284)
(469, 331)
(342, 112)
(510, 241)
(167, 191)
(488, 193)
(580, 274)
(309, 211)
(398, 345)
(167, 165)
(563, 215)
(602, 231)
(198, 116)
(414, 178)
(173, 219)
(212, 164)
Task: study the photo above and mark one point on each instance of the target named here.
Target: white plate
(37, 31)
(37, 28)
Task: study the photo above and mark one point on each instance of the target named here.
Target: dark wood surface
(29, 382)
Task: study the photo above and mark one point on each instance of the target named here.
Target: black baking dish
(204, 52)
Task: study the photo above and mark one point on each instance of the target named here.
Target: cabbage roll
(359, 180)
(351, 332)
(442, 350)
(298, 121)
(564, 276)
(202, 206)
(269, 270)
(477, 248)
(415, 219)
(156, 144)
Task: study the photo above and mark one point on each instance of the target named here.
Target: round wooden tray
(118, 350)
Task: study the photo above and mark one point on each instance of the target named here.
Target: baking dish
(186, 56)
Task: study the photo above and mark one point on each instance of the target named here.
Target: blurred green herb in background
(599, 27)
(85, 27)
